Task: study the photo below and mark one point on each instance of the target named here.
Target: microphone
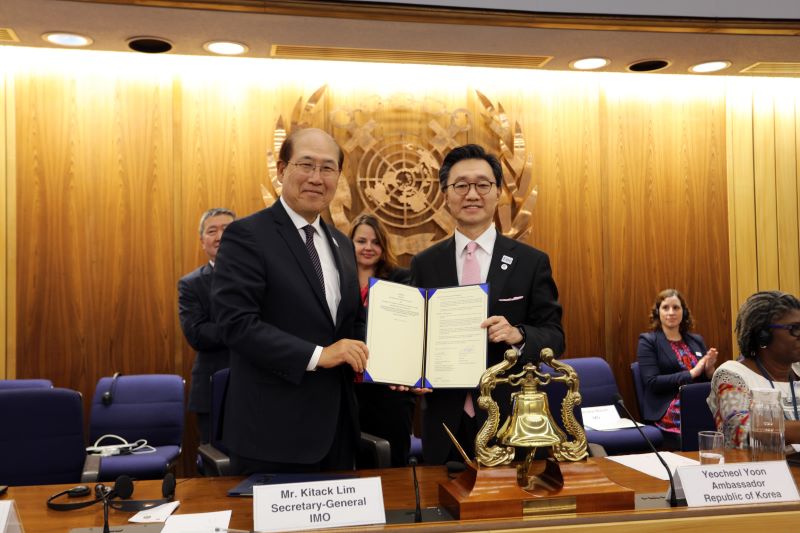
(418, 509)
(673, 499)
(103, 492)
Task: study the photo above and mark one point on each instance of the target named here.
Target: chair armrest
(91, 469)
(216, 462)
(379, 450)
(595, 450)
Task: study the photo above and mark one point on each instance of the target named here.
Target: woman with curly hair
(670, 356)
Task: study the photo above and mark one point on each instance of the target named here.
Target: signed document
(426, 337)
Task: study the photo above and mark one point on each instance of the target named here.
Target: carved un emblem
(393, 149)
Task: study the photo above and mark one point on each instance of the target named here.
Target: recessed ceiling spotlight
(67, 39)
(589, 63)
(149, 45)
(648, 65)
(225, 48)
(709, 66)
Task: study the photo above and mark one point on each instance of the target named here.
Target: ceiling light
(589, 63)
(710, 66)
(67, 39)
(225, 48)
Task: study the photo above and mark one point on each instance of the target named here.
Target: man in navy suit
(194, 311)
(523, 298)
(285, 293)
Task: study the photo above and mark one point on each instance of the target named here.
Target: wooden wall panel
(7, 228)
(666, 209)
(95, 198)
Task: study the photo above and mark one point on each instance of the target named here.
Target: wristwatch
(521, 330)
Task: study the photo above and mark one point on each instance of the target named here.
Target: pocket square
(512, 299)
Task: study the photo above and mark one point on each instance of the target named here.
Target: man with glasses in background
(286, 295)
(200, 330)
(523, 299)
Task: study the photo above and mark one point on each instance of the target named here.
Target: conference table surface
(204, 494)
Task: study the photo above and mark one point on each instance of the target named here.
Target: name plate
(9, 519)
(736, 483)
(319, 504)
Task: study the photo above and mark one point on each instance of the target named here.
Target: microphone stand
(418, 509)
(673, 499)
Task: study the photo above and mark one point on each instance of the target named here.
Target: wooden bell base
(554, 488)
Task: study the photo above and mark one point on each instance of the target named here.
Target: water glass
(766, 425)
(711, 445)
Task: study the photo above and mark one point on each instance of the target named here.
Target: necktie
(470, 274)
(312, 253)
(471, 271)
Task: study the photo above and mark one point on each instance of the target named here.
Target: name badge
(319, 504)
(736, 483)
(9, 518)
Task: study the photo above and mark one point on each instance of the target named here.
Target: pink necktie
(470, 274)
(471, 270)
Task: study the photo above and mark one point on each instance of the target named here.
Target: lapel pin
(504, 266)
(507, 260)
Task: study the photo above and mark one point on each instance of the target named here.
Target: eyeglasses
(307, 169)
(462, 187)
(794, 329)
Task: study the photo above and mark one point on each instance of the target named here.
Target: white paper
(5, 510)
(197, 522)
(318, 504)
(648, 463)
(155, 514)
(604, 418)
(737, 483)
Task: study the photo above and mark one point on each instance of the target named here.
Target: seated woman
(383, 412)
(670, 356)
(768, 335)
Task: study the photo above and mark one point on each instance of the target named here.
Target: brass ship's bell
(530, 425)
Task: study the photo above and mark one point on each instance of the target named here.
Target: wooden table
(209, 494)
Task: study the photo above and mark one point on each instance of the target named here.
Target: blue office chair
(214, 454)
(598, 387)
(9, 384)
(147, 406)
(638, 386)
(695, 414)
(42, 442)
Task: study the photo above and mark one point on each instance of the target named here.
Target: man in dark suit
(285, 293)
(194, 311)
(523, 298)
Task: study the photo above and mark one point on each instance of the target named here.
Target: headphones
(764, 336)
(108, 396)
(123, 489)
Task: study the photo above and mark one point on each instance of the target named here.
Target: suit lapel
(448, 275)
(294, 242)
(498, 276)
(337, 257)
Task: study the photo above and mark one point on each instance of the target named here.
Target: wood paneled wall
(764, 187)
(114, 160)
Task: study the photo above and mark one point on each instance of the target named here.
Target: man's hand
(345, 351)
(499, 330)
(413, 390)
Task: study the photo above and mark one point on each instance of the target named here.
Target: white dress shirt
(483, 253)
(333, 293)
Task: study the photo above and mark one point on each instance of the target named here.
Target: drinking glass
(766, 425)
(712, 447)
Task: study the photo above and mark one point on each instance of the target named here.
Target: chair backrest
(8, 384)
(146, 406)
(597, 383)
(42, 440)
(219, 390)
(695, 414)
(638, 385)
(556, 392)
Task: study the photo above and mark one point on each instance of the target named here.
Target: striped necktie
(312, 253)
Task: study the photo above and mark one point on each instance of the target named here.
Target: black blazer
(202, 333)
(662, 376)
(524, 293)
(268, 301)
